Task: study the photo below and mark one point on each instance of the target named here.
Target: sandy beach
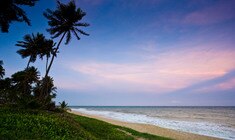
(151, 129)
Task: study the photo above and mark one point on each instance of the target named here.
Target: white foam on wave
(202, 128)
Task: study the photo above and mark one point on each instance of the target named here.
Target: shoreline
(151, 129)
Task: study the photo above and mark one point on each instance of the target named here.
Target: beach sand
(151, 129)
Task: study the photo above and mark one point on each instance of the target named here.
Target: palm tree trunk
(53, 56)
(47, 63)
(28, 62)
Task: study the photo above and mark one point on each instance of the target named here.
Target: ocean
(209, 121)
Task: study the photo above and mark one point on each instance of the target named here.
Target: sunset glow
(154, 52)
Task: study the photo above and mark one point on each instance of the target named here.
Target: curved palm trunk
(47, 63)
(53, 56)
(28, 62)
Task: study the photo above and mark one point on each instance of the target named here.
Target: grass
(34, 124)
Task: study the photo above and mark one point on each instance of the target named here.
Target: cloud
(162, 72)
(228, 84)
(71, 84)
(69, 81)
(220, 84)
(219, 12)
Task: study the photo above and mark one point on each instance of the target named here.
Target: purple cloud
(219, 12)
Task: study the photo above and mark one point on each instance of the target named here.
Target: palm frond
(74, 32)
(21, 15)
(82, 24)
(26, 2)
(57, 34)
(82, 32)
(35, 45)
(68, 37)
(65, 19)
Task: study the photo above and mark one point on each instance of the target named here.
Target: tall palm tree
(64, 21)
(34, 46)
(47, 49)
(2, 70)
(10, 11)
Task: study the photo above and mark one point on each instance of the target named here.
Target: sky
(139, 53)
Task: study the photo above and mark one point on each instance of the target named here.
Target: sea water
(209, 121)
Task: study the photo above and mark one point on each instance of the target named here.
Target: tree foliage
(64, 106)
(2, 70)
(25, 88)
(10, 10)
(45, 91)
(65, 19)
(34, 46)
(6, 93)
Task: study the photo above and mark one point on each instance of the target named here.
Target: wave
(202, 128)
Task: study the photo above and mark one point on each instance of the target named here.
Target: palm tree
(2, 70)
(64, 21)
(10, 11)
(64, 106)
(47, 49)
(34, 46)
(30, 46)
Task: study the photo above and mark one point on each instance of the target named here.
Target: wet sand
(151, 129)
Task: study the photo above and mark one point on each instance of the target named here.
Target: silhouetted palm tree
(64, 21)
(34, 46)
(10, 11)
(2, 70)
(30, 46)
(47, 49)
(64, 106)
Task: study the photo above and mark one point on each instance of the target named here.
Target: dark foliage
(35, 45)
(6, 95)
(22, 83)
(2, 70)
(65, 20)
(44, 92)
(64, 106)
(10, 10)
(25, 90)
